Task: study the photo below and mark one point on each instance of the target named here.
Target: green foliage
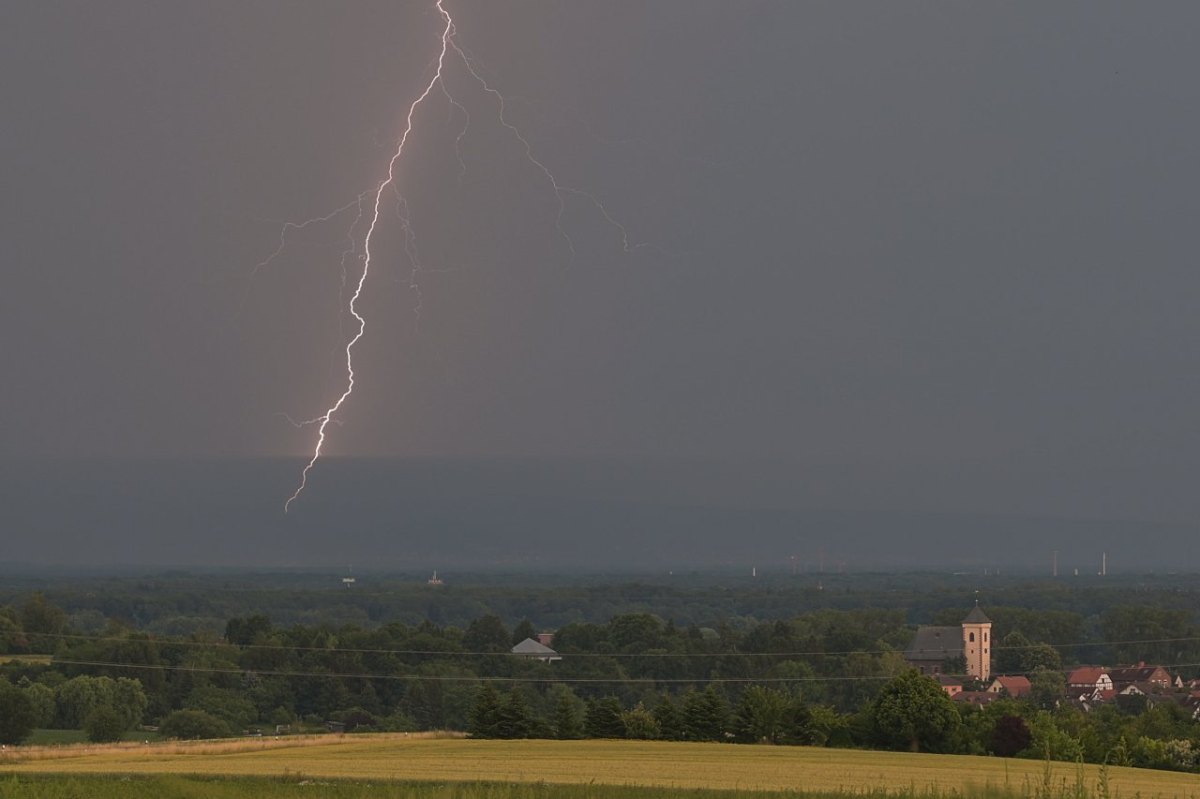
(487, 634)
(669, 719)
(913, 712)
(761, 716)
(104, 725)
(640, 723)
(224, 703)
(1049, 741)
(514, 719)
(602, 719)
(1046, 688)
(568, 713)
(39, 615)
(17, 714)
(193, 725)
(706, 715)
(41, 697)
(242, 631)
(846, 648)
(78, 697)
(485, 713)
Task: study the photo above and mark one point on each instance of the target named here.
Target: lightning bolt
(561, 191)
(447, 32)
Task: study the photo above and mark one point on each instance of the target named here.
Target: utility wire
(576, 655)
(476, 679)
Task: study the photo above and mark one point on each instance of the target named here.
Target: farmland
(389, 758)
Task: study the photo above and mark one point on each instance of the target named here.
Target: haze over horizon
(915, 267)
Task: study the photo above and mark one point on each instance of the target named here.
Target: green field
(42, 737)
(689, 766)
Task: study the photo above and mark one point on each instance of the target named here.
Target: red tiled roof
(1016, 686)
(1085, 675)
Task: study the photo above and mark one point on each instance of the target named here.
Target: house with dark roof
(977, 698)
(1141, 673)
(951, 686)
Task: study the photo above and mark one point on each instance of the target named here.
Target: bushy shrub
(104, 725)
(194, 725)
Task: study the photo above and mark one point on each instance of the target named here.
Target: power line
(574, 655)
(463, 678)
(534, 679)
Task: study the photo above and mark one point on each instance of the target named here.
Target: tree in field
(602, 719)
(640, 723)
(514, 719)
(761, 715)
(190, 725)
(799, 728)
(79, 696)
(42, 698)
(129, 701)
(670, 722)
(17, 714)
(913, 712)
(104, 725)
(705, 715)
(484, 718)
(568, 718)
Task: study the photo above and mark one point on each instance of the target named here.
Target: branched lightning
(447, 32)
(437, 82)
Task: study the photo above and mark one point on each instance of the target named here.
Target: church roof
(976, 616)
(936, 643)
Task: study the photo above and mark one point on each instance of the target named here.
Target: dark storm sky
(948, 240)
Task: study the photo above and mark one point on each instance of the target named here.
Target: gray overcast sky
(929, 238)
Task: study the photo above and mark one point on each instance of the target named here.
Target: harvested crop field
(647, 763)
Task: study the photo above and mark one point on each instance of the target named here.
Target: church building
(972, 641)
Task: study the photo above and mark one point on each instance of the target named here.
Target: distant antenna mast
(1055, 572)
(1103, 564)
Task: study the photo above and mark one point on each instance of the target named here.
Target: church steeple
(977, 643)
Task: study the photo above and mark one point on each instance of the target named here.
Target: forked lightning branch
(449, 55)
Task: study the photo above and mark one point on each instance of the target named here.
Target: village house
(951, 686)
(977, 698)
(1125, 676)
(1089, 679)
(1014, 687)
(535, 650)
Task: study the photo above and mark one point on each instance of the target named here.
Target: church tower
(977, 644)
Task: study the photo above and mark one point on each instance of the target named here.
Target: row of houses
(1089, 687)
